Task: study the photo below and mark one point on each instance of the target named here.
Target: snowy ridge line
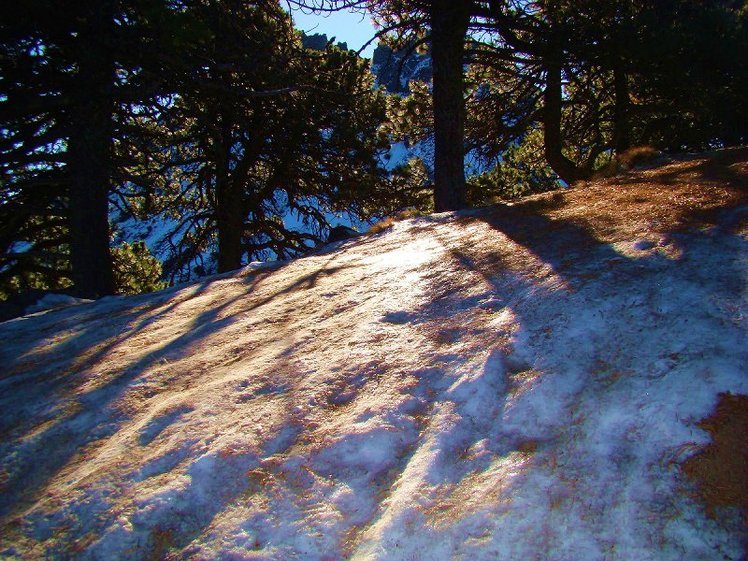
(516, 382)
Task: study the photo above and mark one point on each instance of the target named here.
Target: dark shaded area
(16, 305)
(341, 233)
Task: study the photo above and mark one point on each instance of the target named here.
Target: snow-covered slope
(520, 382)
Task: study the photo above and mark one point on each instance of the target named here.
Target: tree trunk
(230, 225)
(449, 24)
(567, 170)
(229, 207)
(89, 155)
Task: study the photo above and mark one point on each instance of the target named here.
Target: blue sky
(352, 28)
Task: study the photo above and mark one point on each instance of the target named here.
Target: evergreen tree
(68, 71)
(598, 76)
(35, 186)
(601, 76)
(268, 134)
(210, 111)
(442, 24)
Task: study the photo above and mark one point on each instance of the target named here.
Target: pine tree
(68, 72)
(271, 133)
(601, 76)
(442, 24)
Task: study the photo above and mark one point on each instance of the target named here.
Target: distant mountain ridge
(395, 69)
(318, 42)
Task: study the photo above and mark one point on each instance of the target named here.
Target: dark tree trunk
(621, 126)
(449, 24)
(230, 225)
(567, 170)
(89, 155)
(229, 207)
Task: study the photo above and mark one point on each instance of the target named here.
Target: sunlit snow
(514, 383)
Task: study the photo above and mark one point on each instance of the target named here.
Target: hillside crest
(523, 381)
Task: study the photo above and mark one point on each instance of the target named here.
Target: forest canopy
(216, 120)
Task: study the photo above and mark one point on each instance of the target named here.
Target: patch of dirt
(720, 470)
(685, 193)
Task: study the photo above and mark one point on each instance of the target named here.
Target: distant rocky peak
(318, 42)
(395, 69)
